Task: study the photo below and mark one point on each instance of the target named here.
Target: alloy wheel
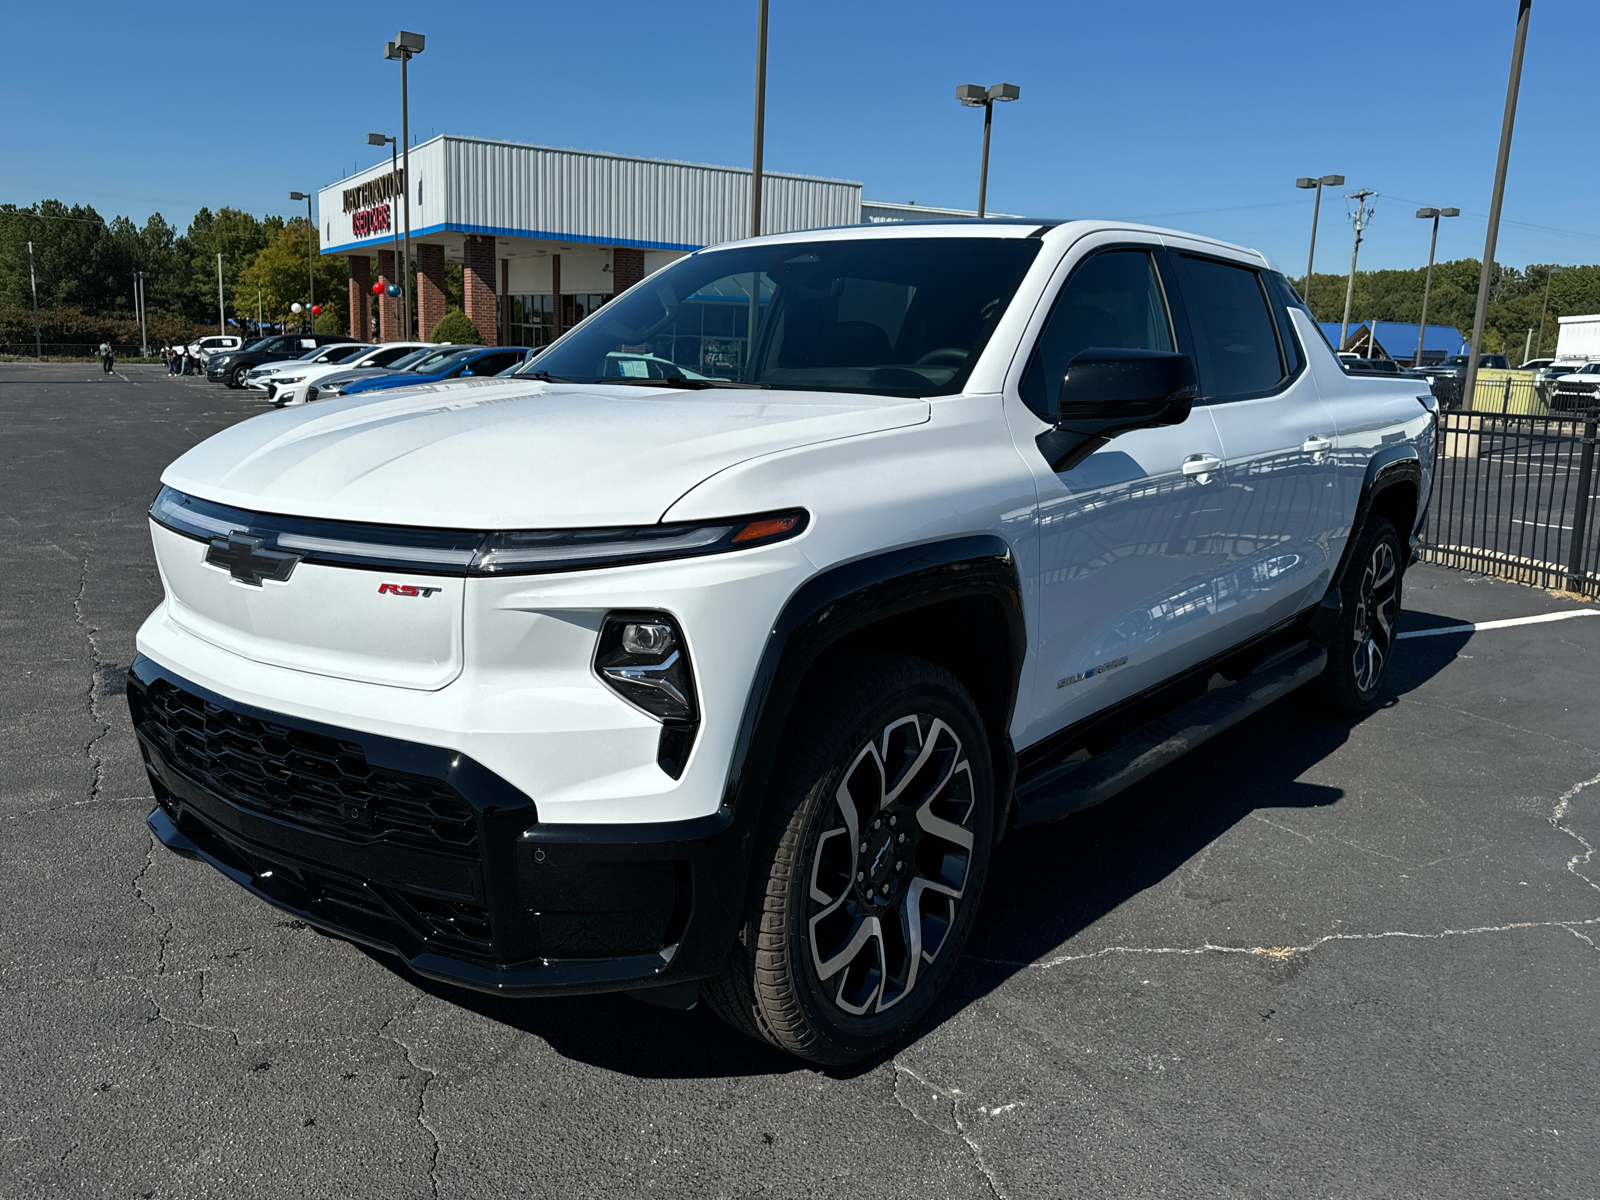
(890, 870)
(1376, 608)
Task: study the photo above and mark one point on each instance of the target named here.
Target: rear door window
(1235, 336)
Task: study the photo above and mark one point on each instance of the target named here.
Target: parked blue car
(464, 364)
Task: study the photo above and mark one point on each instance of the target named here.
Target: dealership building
(544, 236)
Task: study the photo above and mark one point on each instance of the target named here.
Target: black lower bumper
(421, 852)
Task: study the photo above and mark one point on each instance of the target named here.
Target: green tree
(456, 327)
(279, 270)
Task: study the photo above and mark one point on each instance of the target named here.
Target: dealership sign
(370, 220)
(374, 192)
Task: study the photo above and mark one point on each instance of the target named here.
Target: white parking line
(1482, 625)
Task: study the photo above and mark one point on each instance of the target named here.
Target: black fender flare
(1393, 466)
(849, 597)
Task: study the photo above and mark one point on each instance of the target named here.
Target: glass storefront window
(532, 318)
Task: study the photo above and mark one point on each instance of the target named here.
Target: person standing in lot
(105, 357)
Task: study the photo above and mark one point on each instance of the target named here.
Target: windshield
(1455, 360)
(404, 362)
(258, 344)
(431, 361)
(899, 316)
(448, 363)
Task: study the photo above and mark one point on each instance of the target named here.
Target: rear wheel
(1369, 616)
(874, 850)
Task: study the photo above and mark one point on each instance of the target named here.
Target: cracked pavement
(1315, 958)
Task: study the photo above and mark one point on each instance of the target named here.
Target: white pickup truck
(725, 683)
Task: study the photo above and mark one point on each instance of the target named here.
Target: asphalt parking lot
(1315, 959)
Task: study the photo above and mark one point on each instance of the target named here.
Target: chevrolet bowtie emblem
(248, 560)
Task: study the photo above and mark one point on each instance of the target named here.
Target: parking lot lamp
(1427, 282)
(1486, 268)
(973, 96)
(311, 248)
(403, 47)
(761, 130)
(222, 319)
(1319, 183)
(1554, 271)
(379, 139)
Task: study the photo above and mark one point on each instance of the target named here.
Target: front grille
(310, 779)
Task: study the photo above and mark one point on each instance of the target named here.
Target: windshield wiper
(678, 381)
(546, 377)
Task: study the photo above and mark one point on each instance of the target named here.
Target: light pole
(1486, 271)
(222, 320)
(761, 128)
(258, 310)
(378, 139)
(144, 335)
(311, 249)
(1362, 216)
(1554, 271)
(33, 282)
(1316, 215)
(1427, 283)
(973, 96)
(403, 47)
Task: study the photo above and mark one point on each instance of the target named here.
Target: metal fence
(1514, 495)
(73, 349)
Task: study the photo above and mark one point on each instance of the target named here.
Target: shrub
(456, 327)
(327, 322)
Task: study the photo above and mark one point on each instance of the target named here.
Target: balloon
(295, 307)
(316, 310)
(377, 288)
(393, 291)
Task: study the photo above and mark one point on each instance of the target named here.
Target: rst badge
(406, 589)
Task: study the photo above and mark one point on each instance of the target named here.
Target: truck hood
(508, 454)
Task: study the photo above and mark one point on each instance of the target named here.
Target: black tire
(1363, 640)
(799, 963)
(236, 378)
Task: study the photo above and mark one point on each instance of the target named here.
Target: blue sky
(1193, 115)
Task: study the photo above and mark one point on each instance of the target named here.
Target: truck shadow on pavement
(1044, 888)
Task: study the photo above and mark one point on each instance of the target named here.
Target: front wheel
(874, 850)
(237, 379)
(1363, 640)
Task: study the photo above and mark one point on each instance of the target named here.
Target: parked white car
(292, 386)
(724, 688)
(270, 376)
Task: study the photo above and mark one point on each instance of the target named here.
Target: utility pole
(1486, 272)
(33, 282)
(761, 123)
(1554, 271)
(1363, 214)
(222, 320)
(1527, 346)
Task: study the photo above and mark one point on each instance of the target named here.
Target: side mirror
(1109, 391)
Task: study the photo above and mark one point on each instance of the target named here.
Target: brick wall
(477, 278)
(388, 310)
(430, 288)
(360, 296)
(627, 268)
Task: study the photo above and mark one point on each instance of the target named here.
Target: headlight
(642, 657)
(281, 380)
(472, 552)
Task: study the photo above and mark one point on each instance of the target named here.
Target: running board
(1065, 788)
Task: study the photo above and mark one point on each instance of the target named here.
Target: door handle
(1316, 444)
(1201, 467)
